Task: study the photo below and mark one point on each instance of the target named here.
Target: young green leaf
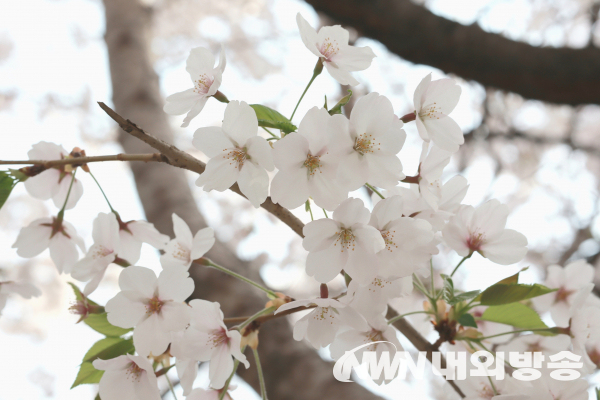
(501, 293)
(337, 109)
(7, 184)
(87, 374)
(99, 323)
(108, 348)
(463, 297)
(270, 118)
(467, 320)
(514, 314)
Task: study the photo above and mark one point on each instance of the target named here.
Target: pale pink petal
(138, 279)
(445, 93)
(341, 75)
(202, 243)
(353, 171)
(353, 58)
(211, 141)
(289, 187)
(319, 234)
(194, 111)
(240, 122)
(314, 127)
(123, 312)
(181, 102)
(200, 61)
(308, 35)
(174, 316)
(187, 371)
(509, 248)
(235, 339)
(46, 151)
(325, 191)
(149, 337)
(445, 133)
(63, 188)
(220, 174)
(260, 152)
(130, 247)
(175, 284)
(351, 211)
(34, 238)
(326, 264)
(182, 231)
(147, 233)
(420, 92)
(254, 183)
(63, 252)
(42, 185)
(221, 366)
(290, 152)
(384, 171)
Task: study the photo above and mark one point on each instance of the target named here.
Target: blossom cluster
(382, 250)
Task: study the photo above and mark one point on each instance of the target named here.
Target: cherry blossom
(51, 233)
(480, 388)
(185, 248)
(368, 142)
(548, 388)
(343, 242)
(154, 307)
(568, 280)
(23, 289)
(430, 170)
(330, 44)
(127, 377)
(482, 230)
(206, 79)
(373, 298)
(103, 252)
(53, 183)
(133, 233)
(306, 166)
(237, 154)
(433, 102)
(409, 242)
(320, 326)
(208, 339)
(537, 343)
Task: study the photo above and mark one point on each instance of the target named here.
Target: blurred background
(530, 77)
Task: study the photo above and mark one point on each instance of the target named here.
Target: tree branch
(84, 160)
(556, 75)
(184, 160)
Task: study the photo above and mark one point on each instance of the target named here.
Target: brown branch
(556, 75)
(263, 318)
(157, 157)
(184, 160)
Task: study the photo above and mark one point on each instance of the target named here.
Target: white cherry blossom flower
(185, 248)
(480, 388)
(320, 326)
(24, 289)
(208, 339)
(433, 102)
(133, 233)
(374, 297)
(368, 144)
(50, 233)
(330, 44)
(306, 166)
(345, 241)
(409, 242)
(482, 230)
(53, 183)
(102, 253)
(237, 154)
(548, 388)
(127, 377)
(537, 343)
(154, 307)
(568, 280)
(378, 330)
(206, 79)
(430, 171)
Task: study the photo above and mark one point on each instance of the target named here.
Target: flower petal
(254, 183)
(212, 141)
(240, 122)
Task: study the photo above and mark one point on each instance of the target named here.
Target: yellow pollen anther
(388, 238)
(203, 83)
(346, 239)
(237, 156)
(312, 163)
(154, 305)
(329, 48)
(364, 144)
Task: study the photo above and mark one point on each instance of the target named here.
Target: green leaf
(514, 314)
(507, 281)
(270, 118)
(87, 374)
(337, 109)
(463, 297)
(18, 175)
(7, 184)
(501, 293)
(448, 289)
(99, 323)
(108, 348)
(467, 320)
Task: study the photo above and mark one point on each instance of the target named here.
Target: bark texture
(292, 369)
(556, 75)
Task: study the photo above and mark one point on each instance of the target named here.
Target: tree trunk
(292, 369)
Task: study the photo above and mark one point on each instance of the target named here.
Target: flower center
(323, 313)
(373, 336)
(134, 372)
(562, 295)
(217, 338)
(312, 163)
(329, 48)
(432, 111)
(475, 241)
(237, 156)
(154, 305)
(203, 84)
(388, 238)
(180, 252)
(346, 239)
(364, 144)
(100, 251)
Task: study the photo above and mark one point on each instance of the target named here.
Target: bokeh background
(540, 158)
